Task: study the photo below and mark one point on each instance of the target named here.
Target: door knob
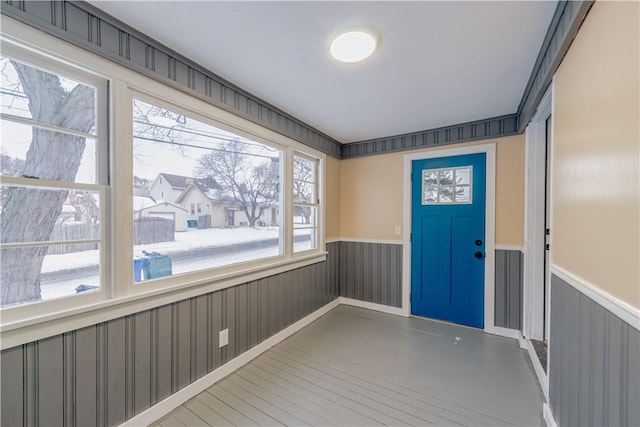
(478, 254)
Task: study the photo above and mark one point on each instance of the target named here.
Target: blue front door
(447, 239)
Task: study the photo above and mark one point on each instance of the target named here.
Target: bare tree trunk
(29, 215)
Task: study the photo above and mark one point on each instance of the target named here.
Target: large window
(305, 203)
(53, 171)
(160, 196)
(213, 197)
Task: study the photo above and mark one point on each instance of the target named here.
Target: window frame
(100, 186)
(315, 203)
(197, 277)
(118, 296)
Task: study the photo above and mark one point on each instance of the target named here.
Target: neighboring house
(169, 187)
(199, 200)
(141, 202)
(168, 211)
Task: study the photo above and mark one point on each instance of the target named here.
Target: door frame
(534, 300)
(490, 222)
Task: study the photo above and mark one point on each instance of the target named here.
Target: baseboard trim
(548, 416)
(373, 306)
(510, 333)
(543, 379)
(167, 405)
(620, 308)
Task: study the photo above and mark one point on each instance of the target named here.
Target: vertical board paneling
(50, 381)
(142, 361)
(200, 316)
(501, 295)
(68, 371)
(164, 374)
(594, 358)
(116, 372)
(241, 319)
(614, 371)
(263, 304)
(12, 373)
(85, 376)
(633, 376)
(215, 326)
(31, 393)
(371, 272)
(183, 343)
(253, 315)
(508, 289)
(229, 322)
(104, 374)
(515, 289)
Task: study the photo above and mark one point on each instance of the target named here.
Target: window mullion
(45, 126)
(121, 233)
(287, 219)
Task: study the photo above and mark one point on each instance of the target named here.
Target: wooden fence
(148, 230)
(145, 231)
(74, 232)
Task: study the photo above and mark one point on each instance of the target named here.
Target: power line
(182, 144)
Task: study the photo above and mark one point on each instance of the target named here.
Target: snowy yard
(63, 273)
(185, 241)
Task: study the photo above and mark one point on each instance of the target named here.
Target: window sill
(42, 326)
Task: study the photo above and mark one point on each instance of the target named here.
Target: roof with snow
(179, 181)
(164, 204)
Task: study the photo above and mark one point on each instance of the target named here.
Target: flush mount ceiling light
(353, 46)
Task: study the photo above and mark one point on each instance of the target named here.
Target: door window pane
(447, 186)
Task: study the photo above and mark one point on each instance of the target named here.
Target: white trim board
(542, 376)
(510, 333)
(548, 415)
(167, 405)
(534, 220)
(620, 308)
(490, 224)
(509, 248)
(372, 306)
(380, 241)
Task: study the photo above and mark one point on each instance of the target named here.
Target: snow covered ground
(191, 239)
(82, 267)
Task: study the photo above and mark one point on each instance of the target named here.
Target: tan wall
(332, 197)
(595, 178)
(371, 193)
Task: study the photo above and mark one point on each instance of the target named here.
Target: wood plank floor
(356, 367)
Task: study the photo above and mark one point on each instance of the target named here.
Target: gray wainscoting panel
(90, 28)
(107, 373)
(454, 134)
(371, 272)
(594, 376)
(509, 289)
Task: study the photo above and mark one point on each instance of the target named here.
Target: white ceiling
(438, 63)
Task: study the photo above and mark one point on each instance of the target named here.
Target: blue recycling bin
(138, 264)
(156, 265)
